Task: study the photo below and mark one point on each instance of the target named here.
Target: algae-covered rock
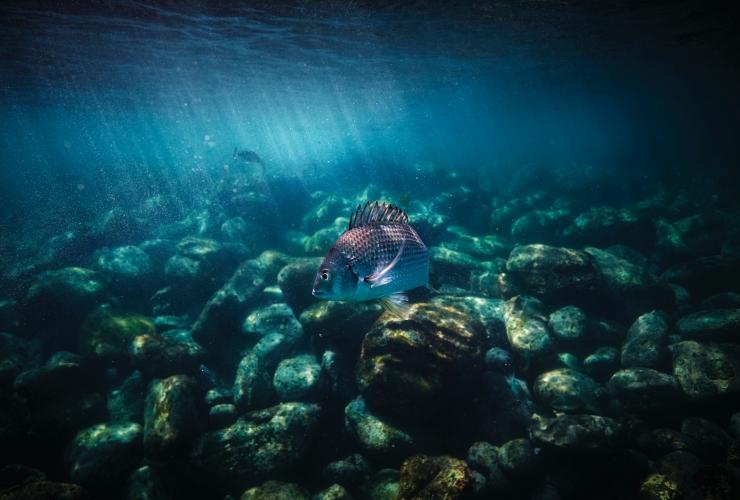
(224, 312)
(296, 280)
(104, 453)
(410, 365)
(527, 331)
(171, 418)
(659, 487)
(259, 445)
(107, 334)
(123, 265)
(645, 389)
(517, 457)
(711, 325)
(298, 378)
(126, 401)
(553, 272)
(451, 267)
(342, 323)
(576, 432)
(253, 382)
(146, 483)
(333, 492)
(602, 363)
(221, 415)
(568, 324)
(374, 435)
(707, 371)
(569, 391)
(384, 485)
(169, 353)
(424, 476)
(349, 472)
(607, 225)
(645, 345)
(275, 490)
(275, 318)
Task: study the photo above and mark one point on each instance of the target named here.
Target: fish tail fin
(396, 303)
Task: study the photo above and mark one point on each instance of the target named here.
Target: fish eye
(324, 274)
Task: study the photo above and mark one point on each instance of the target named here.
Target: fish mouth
(319, 293)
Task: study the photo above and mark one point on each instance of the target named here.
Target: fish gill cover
(171, 174)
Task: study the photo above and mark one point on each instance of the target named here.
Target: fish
(247, 155)
(379, 256)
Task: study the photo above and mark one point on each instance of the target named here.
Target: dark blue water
(151, 154)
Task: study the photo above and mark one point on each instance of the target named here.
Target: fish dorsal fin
(373, 214)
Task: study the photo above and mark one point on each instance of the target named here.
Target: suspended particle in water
(80, 187)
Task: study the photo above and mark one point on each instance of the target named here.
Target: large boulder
(424, 476)
(416, 363)
(374, 435)
(527, 330)
(277, 318)
(298, 378)
(104, 454)
(576, 432)
(224, 312)
(340, 323)
(569, 391)
(644, 390)
(707, 371)
(553, 273)
(259, 445)
(711, 325)
(605, 225)
(645, 345)
(171, 419)
(107, 334)
(169, 353)
(296, 281)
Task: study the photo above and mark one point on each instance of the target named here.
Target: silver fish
(379, 256)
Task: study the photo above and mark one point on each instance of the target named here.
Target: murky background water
(170, 176)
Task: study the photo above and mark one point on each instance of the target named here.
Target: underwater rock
(8, 315)
(716, 481)
(104, 453)
(645, 390)
(124, 265)
(273, 318)
(483, 457)
(706, 275)
(349, 472)
(221, 415)
(223, 313)
(60, 299)
(576, 432)
(711, 440)
(375, 436)
(679, 465)
(325, 212)
(340, 322)
(339, 375)
(490, 312)
(169, 353)
(202, 265)
(296, 280)
(323, 239)
(145, 483)
(451, 267)
(275, 490)
(253, 382)
(711, 325)
(298, 378)
(569, 391)
(171, 418)
(16, 355)
(236, 230)
(333, 492)
(629, 289)
(499, 360)
(605, 225)
(725, 300)
(413, 364)
(517, 457)
(602, 363)
(539, 226)
(553, 273)
(659, 487)
(663, 440)
(568, 324)
(259, 445)
(118, 226)
(423, 476)
(384, 485)
(707, 371)
(527, 330)
(107, 334)
(735, 424)
(645, 345)
(481, 247)
(126, 402)
(46, 490)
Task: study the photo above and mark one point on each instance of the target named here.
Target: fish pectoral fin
(381, 277)
(396, 303)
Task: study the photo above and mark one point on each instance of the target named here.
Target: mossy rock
(107, 334)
